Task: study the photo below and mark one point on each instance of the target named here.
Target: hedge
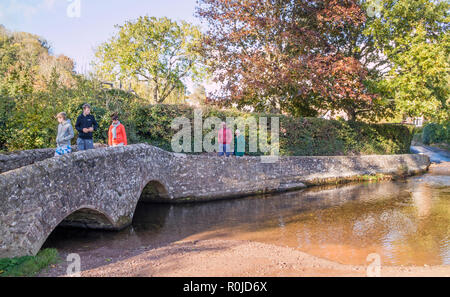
(436, 133)
(298, 136)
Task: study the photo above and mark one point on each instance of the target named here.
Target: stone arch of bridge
(82, 217)
(153, 191)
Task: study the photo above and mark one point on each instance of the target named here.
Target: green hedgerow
(436, 133)
(298, 136)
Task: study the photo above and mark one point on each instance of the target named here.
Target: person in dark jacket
(86, 125)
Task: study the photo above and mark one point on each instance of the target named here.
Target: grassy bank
(28, 265)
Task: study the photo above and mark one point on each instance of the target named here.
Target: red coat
(225, 138)
(120, 133)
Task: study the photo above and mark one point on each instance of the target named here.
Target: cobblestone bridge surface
(101, 188)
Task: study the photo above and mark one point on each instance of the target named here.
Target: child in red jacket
(116, 134)
(225, 136)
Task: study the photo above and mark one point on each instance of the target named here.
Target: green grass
(374, 178)
(28, 265)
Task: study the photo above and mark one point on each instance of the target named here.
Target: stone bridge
(101, 188)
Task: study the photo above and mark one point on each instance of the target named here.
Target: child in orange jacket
(116, 134)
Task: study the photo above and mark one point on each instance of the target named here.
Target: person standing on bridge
(225, 137)
(239, 144)
(116, 134)
(64, 136)
(86, 125)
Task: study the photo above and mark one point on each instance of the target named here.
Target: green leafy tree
(413, 35)
(159, 52)
(26, 64)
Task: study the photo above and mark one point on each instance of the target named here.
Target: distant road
(436, 155)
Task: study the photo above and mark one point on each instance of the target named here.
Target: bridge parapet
(14, 160)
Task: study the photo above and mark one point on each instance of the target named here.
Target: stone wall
(101, 188)
(14, 160)
(217, 178)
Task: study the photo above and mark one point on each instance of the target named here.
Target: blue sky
(77, 37)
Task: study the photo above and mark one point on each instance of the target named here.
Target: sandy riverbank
(224, 258)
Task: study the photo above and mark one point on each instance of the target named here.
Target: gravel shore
(221, 258)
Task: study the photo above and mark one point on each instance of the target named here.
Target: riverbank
(28, 265)
(225, 258)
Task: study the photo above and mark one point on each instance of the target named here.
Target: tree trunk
(155, 92)
(351, 115)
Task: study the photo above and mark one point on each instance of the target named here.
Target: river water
(406, 222)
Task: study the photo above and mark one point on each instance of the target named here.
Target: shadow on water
(406, 222)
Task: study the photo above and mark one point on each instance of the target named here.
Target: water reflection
(406, 222)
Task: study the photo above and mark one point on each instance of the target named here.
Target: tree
(26, 64)
(413, 35)
(159, 52)
(198, 96)
(362, 66)
(35, 85)
(294, 56)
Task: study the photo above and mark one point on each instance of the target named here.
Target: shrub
(30, 123)
(436, 133)
(298, 136)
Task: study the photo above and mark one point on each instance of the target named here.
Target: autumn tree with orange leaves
(299, 57)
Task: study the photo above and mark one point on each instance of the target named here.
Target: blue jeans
(85, 144)
(224, 149)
